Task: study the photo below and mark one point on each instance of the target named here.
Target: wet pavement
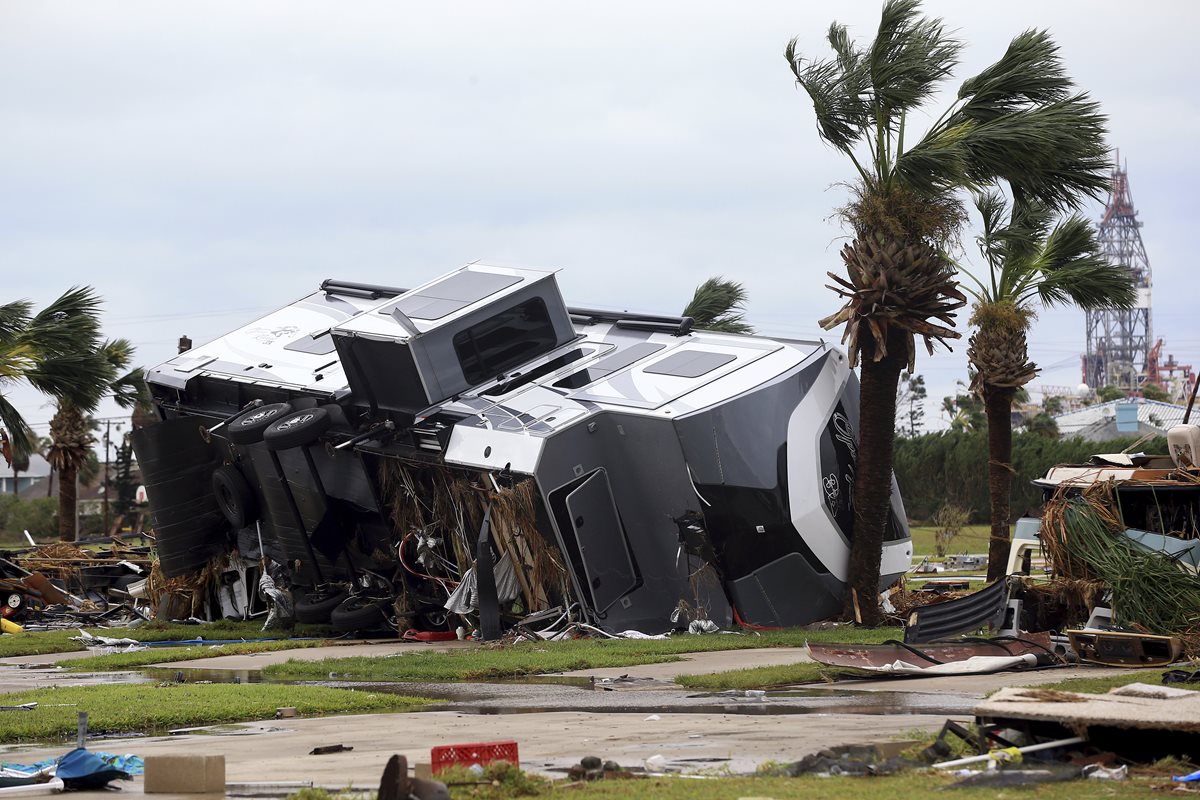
(627, 714)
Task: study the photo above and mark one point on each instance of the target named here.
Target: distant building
(1120, 418)
(39, 470)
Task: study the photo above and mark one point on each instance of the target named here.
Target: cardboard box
(184, 775)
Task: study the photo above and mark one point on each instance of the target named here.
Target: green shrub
(39, 516)
(951, 467)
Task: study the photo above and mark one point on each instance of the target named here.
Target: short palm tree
(717, 305)
(51, 351)
(1016, 121)
(1034, 257)
(71, 429)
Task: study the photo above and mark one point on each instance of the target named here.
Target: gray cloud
(200, 162)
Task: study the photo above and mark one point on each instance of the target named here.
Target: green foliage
(972, 539)
(1042, 424)
(1015, 121)
(910, 404)
(144, 708)
(1107, 394)
(1153, 392)
(507, 780)
(38, 515)
(717, 305)
(1053, 405)
(950, 467)
(1105, 684)
(948, 520)
(916, 785)
(533, 658)
(124, 485)
(52, 352)
(758, 677)
(966, 413)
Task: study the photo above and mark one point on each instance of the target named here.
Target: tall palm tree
(1033, 258)
(51, 351)
(717, 305)
(1015, 121)
(71, 429)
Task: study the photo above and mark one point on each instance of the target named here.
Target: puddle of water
(549, 680)
(746, 709)
(211, 675)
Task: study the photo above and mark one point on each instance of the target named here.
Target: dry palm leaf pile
(1081, 536)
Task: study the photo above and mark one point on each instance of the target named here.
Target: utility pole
(104, 485)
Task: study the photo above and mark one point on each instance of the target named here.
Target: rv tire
(318, 605)
(360, 614)
(248, 427)
(234, 497)
(297, 428)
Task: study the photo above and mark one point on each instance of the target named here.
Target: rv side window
(504, 340)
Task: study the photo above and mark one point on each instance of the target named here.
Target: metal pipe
(1033, 748)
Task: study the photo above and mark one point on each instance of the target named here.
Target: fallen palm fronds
(446, 507)
(191, 590)
(1081, 536)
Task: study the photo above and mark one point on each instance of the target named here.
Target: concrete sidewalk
(278, 750)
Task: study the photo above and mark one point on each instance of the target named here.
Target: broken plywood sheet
(1140, 710)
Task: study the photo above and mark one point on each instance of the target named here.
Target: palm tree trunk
(873, 474)
(998, 403)
(66, 503)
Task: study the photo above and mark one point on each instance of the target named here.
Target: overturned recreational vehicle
(475, 446)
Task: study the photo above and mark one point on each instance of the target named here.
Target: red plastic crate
(467, 754)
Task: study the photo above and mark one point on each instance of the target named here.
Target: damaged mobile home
(475, 447)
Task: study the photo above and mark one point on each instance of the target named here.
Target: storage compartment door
(607, 562)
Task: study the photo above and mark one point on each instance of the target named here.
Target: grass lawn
(759, 677)
(972, 539)
(32, 643)
(1103, 685)
(149, 708)
(502, 782)
(533, 658)
(165, 655)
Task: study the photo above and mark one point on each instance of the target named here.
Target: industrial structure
(1119, 341)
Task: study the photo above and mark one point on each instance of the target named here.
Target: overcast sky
(203, 163)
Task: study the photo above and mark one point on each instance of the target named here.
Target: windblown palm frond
(717, 305)
(50, 350)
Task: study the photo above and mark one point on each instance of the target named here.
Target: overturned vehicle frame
(474, 447)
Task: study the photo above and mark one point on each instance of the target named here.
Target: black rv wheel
(234, 497)
(297, 428)
(248, 427)
(360, 614)
(318, 604)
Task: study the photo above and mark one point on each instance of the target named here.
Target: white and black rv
(474, 446)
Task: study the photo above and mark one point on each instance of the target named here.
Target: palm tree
(717, 305)
(1016, 121)
(71, 428)
(49, 350)
(1034, 258)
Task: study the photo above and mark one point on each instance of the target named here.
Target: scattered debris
(592, 768)
(467, 755)
(397, 785)
(940, 658)
(328, 749)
